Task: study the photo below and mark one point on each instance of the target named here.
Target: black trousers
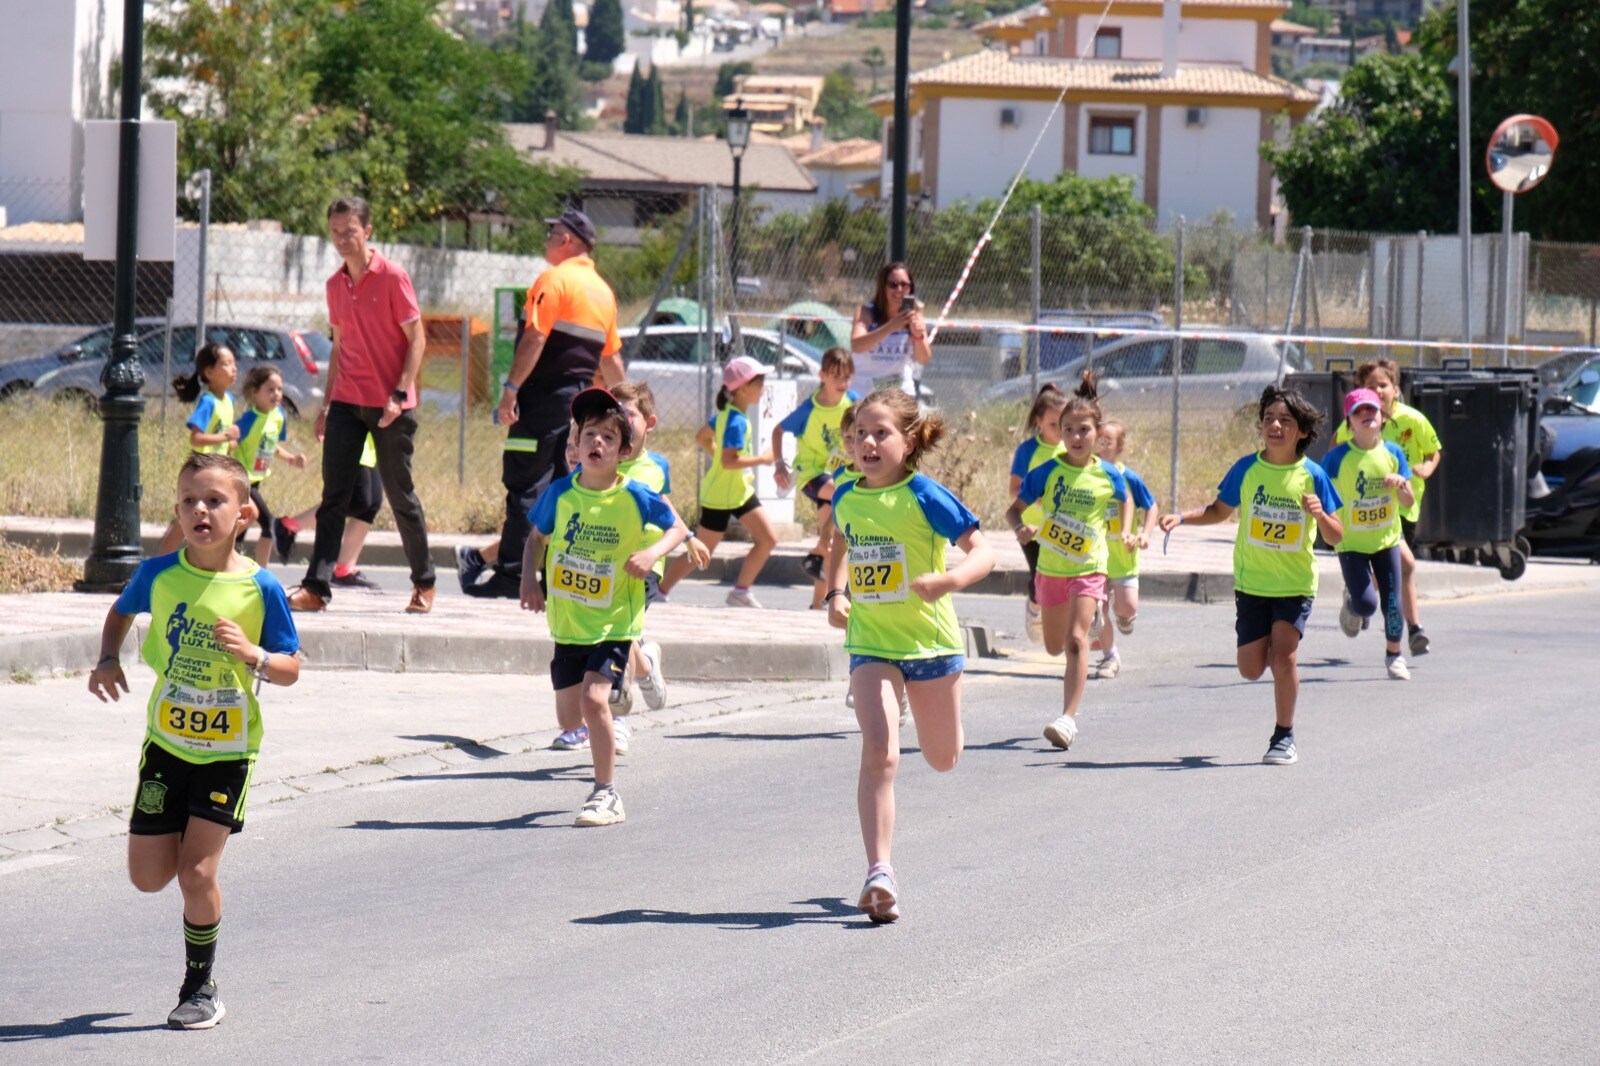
(530, 465)
(345, 437)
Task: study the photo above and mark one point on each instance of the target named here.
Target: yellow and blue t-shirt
(892, 535)
(1029, 456)
(819, 443)
(1371, 513)
(202, 709)
(1072, 533)
(1409, 428)
(590, 534)
(845, 475)
(1121, 561)
(260, 433)
(1272, 552)
(212, 414)
(720, 488)
(654, 471)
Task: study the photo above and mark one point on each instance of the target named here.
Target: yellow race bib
(203, 720)
(582, 580)
(1276, 528)
(878, 573)
(1372, 513)
(1069, 536)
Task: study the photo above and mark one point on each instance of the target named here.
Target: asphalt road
(1420, 887)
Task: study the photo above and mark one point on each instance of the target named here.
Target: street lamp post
(117, 549)
(738, 141)
(901, 139)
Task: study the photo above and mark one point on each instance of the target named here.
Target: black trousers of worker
(535, 457)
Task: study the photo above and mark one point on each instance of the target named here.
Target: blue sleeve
(543, 512)
(947, 515)
(1033, 483)
(245, 422)
(1139, 491)
(1335, 459)
(852, 395)
(203, 410)
(135, 599)
(278, 633)
(1119, 484)
(796, 421)
(1324, 487)
(1400, 458)
(1022, 458)
(737, 430)
(652, 508)
(666, 472)
(1228, 491)
(838, 494)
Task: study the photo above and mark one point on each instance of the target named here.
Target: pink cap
(1361, 398)
(740, 370)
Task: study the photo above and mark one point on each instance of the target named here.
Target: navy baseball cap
(591, 402)
(577, 223)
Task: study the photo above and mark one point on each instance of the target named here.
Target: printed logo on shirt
(1063, 494)
(587, 537)
(859, 540)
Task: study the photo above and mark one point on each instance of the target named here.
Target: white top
(887, 365)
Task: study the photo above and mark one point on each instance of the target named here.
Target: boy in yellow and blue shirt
(596, 535)
(1285, 500)
(819, 448)
(219, 624)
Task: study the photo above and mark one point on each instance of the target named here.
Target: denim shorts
(916, 669)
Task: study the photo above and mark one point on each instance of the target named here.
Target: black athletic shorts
(812, 490)
(173, 790)
(571, 662)
(1408, 531)
(263, 512)
(715, 519)
(1256, 615)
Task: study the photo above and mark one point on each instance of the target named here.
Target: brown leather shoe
(303, 599)
(421, 601)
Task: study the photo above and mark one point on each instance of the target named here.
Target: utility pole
(901, 140)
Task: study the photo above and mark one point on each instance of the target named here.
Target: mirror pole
(1464, 141)
(1507, 199)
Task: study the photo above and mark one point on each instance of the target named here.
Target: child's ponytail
(723, 396)
(189, 386)
(1085, 400)
(1049, 402)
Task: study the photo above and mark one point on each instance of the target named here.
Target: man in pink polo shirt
(372, 388)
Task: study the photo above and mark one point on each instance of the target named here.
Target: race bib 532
(1069, 536)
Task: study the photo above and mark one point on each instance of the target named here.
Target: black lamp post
(117, 550)
(901, 134)
(738, 141)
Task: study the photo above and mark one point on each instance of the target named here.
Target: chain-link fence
(1047, 297)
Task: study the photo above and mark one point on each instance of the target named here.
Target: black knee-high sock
(200, 951)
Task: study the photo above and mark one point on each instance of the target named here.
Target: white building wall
(977, 158)
(1216, 40)
(1211, 167)
(1104, 166)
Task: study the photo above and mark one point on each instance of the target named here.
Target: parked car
(1554, 372)
(299, 354)
(18, 375)
(1135, 373)
(670, 360)
(1572, 414)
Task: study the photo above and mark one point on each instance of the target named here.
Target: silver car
(300, 356)
(671, 360)
(1135, 373)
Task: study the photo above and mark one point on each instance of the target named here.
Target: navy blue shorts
(812, 490)
(571, 662)
(1256, 615)
(916, 669)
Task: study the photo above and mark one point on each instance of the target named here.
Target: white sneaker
(1349, 621)
(1062, 732)
(1033, 622)
(603, 807)
(1099, 622)
(653, 685)
(1282, 752)
(621, 696)
(1396, 665)
(880, 899)
(1125, 625)
(743, 598)
(1108, 667)
(624, 734)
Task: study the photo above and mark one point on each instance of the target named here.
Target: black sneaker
(470, 566)
(499, 585)
(1419, 642)
(282, 540)
(197, 1008)
(355, 579)
(812, 565)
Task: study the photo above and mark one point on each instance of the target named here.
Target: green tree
(726, 75)
(846, 109)
(549, 81)
(681, 114)
(1382, 158)
(559, 20)
(657, 123)
(636, 115)
(688, 17)
(605, 38)
(1318, 18)
(874, 61)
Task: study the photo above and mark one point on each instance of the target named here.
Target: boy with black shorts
(596, 535)
(818, 449)
(218, 625)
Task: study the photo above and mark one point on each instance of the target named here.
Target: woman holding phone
(890, 333)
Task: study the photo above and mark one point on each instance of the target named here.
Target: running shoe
(282, 540)
(654, 683)
(1062, 732)
(880, 898)
(1396, 665)
(1282, 752)
(470, 565)
(1108, 667)
(623, 732)
(1419, 642)
(1099, 622)
(603, 807)
(572, 740)
(1033, 621)
(743, 598)
(811, 565)
(1125, 625)
(355, 579)
(621, 697)
(1349, 621)
(197, 1008)
(1365, 622)
(498, 586)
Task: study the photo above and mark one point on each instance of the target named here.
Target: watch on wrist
(398, 396)
(260, 668)
(509, 385)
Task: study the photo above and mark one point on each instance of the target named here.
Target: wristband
(399, 396)
(108, 659)
(259, 670)
(507, 386)
(832, 593)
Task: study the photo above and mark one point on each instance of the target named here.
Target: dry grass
(25, 570)
(974, 461)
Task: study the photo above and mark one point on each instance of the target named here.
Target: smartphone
(908, 303)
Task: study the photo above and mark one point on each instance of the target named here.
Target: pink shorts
(1055, 591)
